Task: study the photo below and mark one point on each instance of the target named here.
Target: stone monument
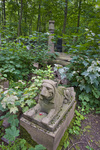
(48, 120)
(51, 36)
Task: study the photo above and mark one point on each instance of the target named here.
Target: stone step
(63, 56)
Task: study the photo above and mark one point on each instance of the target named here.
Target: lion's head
(47, 90)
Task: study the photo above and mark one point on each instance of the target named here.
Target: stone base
(49, 139)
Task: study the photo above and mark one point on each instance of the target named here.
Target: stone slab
(5, 123)
(37, 118)
(49, 139)
(64, 56)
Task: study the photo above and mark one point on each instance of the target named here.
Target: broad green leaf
(40, 147)
(66, 144)
(13, 120)
(11, 133)
(29, 102)
(13, 109)
(85, 73)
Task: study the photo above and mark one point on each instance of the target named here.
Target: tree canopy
(71, 16)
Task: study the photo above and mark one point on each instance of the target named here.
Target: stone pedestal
(51, 36)
(50, 137)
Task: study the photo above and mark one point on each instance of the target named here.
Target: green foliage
(15, 60)
(33, 90)
(66, 144)
(63, 140)
(11, 133)
(74, 128)
(10, 100)
(44, 74)
(17, 57)
(1, 129)
(20, 97)
(84, 71)
(77, 123)
(90, 148)
(85, 74)
(38, 147)
(21, 144)
(29, 93)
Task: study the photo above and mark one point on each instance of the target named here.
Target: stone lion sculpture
(51, 99)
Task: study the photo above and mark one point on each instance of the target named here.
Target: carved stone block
(48, 138)
(48, 120)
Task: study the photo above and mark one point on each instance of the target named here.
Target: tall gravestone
(51, 36)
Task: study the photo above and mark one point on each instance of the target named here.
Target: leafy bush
(21, 98)
(84, 73)
(77, 123)
(15, 61)
(21, 144)
(33, 90)
(84, 70)
(17, 57)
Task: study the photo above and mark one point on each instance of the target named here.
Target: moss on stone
(65, 136)
(77, 147)
(25, 135)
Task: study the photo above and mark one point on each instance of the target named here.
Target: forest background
(22, 17)
(24, 31)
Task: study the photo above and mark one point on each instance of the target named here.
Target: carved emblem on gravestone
(51, 101)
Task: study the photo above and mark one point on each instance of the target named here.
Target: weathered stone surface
(5, 123)
(51, 26)
(4, 83)
(47, 138)
(48, 120)
(5, 140)
(51, 102)
(56, 61)
(62, 59)
(36, 65)
(64, 56)
(51, 36)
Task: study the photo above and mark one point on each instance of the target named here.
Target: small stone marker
(5, 123)
(4, 83)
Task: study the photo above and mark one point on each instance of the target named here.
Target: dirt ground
(89, 137)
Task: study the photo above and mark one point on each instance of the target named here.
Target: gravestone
(48, 120)
(59, 45)
(51, 36)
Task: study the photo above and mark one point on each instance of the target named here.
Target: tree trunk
(4, 12)
(20, 19)
(78, 21)
(0, 39)
(39, 17)
(79, 13)
(30, 28)
(65, 21)
(0, 24)
(65, 17)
